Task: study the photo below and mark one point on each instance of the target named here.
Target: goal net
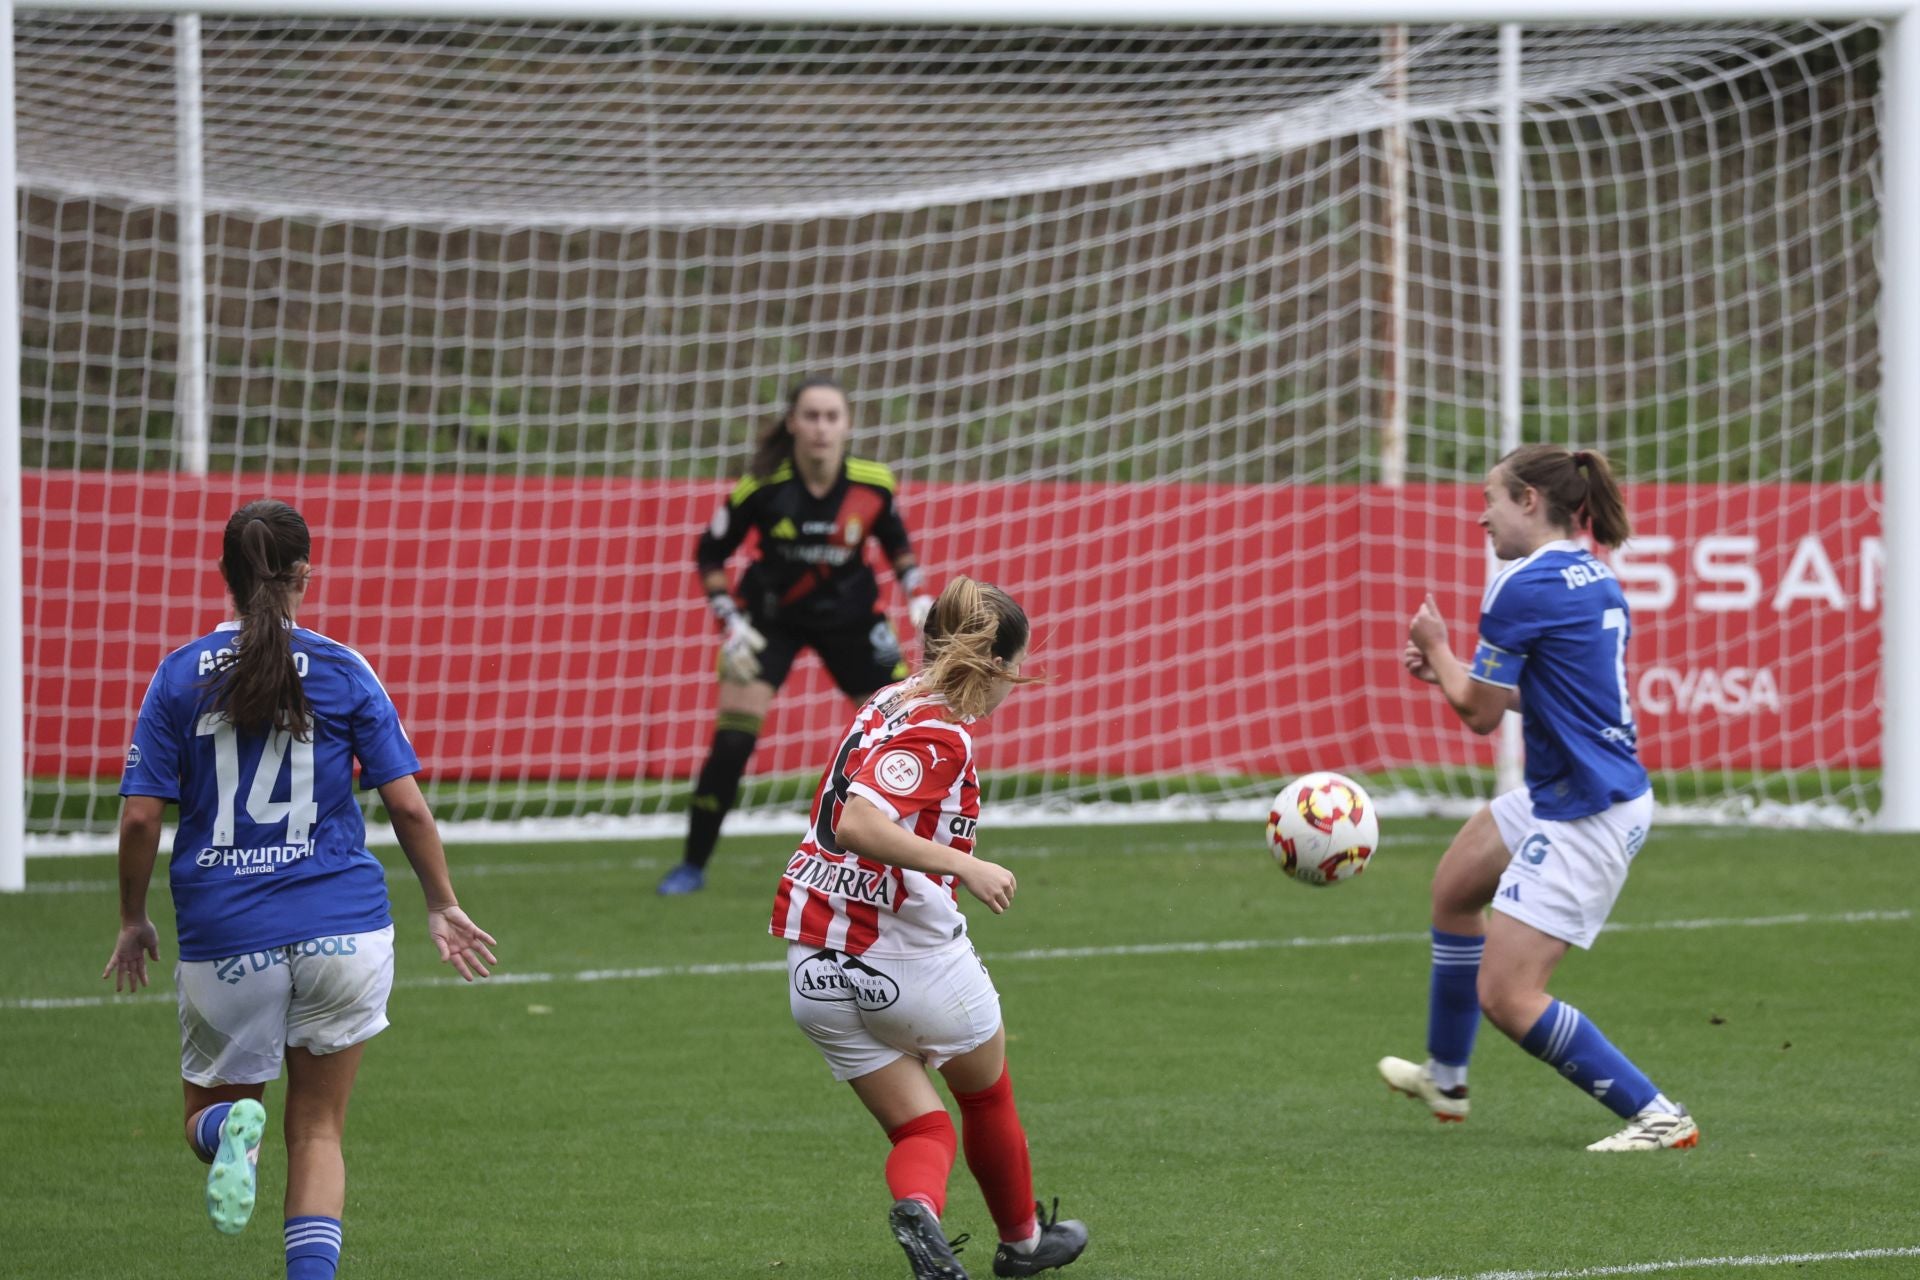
(1189, 338)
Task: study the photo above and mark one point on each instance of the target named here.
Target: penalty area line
(1683, 1264)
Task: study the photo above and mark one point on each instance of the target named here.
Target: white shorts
(239, 1016)
(1565, 876)
(862, 1012)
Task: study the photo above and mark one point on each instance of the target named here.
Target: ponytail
(1578, 487)
(973, 632)
(775, 445)
(263, 557)
(1606, 506)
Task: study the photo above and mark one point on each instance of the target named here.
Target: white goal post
(93, 229)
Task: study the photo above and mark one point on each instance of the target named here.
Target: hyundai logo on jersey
(261, 861)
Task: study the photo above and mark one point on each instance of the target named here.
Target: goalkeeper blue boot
(685, 878)
(230, 1183)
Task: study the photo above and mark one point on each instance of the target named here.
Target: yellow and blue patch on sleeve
(1494, 665)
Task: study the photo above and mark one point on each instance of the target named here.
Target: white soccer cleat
(1449, 1106)
(1653, 1130)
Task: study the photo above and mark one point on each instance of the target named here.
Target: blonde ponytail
(973, 632)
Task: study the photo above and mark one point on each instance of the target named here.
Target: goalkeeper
(809, 586)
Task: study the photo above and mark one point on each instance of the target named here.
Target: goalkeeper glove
(919, 603)
(738, 665)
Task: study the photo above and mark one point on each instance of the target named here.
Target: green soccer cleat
(230, 1183)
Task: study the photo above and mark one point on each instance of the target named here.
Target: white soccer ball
(1322, 829)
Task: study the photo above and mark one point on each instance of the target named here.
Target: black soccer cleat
(1060, 1243)
(918, 1232)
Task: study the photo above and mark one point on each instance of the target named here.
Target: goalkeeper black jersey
(810, 569)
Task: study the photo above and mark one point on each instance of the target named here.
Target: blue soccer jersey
(1555, 626)
(271, 847)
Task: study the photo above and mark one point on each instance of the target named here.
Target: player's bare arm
(1479, 705)
(864, 830)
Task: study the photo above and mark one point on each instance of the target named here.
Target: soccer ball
(1322, 829)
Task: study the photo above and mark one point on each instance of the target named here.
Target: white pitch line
(511, 978)
(462, 870)
(404, 874)
(1651, 1268)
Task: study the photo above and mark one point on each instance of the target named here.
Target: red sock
(997, 1154)
(922, 1157)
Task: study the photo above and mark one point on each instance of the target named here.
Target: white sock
(1028, 1245)
(1661, 1102)
(1447, 1077)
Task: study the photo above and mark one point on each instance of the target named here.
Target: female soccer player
(881, 976)
(286, 940)
(810, 587)
(1551, 857)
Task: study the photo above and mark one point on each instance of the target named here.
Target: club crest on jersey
(838, 979)
(899, 772)
(855, 530)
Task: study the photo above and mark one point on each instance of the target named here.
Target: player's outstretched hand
(1417, 665)
(462, 943)
(990, 882)
(136, 944)
(1428, 630)
(737, 661)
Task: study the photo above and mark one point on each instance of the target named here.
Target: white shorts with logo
(1565, 876)
(239, 1016)
(862, 1012)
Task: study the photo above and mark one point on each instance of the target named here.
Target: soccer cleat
(1449, 1106)
(230, 1183)
(1653, 1130)
(684, 878)
(1060, 1243)
(927, 1247)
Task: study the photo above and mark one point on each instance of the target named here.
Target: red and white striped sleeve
(912, 771)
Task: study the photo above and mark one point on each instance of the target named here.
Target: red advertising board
(536, 629)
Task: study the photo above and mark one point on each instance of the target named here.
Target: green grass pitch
(1208, 1110)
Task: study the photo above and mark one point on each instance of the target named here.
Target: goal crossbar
(1027, 12)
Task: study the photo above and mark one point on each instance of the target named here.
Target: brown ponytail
(974, 630)
(1577, 485)
(263, 557)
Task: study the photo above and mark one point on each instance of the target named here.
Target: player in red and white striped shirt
(881, 975)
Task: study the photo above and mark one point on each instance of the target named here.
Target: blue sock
(1564, 1039)
(206, 1130)
(1453, 1005)
(313, 1248)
